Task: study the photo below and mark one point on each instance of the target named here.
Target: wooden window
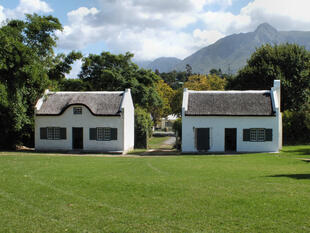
(77, 110)
(53, 133)
(257, 135)
(103, 134)
(100, 134)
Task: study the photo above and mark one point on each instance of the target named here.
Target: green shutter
(268, 135)
(63, 133)
(93, 134)
(113, 133)
(246, 135)
(43, 133)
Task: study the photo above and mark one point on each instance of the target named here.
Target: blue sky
(155, 28)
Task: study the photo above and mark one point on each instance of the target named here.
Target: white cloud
(25, 7)
(147, 28)
(153, 28)
(207, 36)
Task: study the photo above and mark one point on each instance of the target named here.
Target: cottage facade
(240, 121)
(85, 121)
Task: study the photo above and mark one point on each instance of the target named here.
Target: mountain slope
(231, 53)
(164, 64)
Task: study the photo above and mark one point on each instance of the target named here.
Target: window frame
(257, 135)
(53, 133)
(104, 134)
(77, 110)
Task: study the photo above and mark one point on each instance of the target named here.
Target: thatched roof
(99, 103)
(229, 103)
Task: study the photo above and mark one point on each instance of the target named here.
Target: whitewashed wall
(217, 125)
(85, 120)
(129, 121)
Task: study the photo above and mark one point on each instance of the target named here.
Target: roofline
(228, 115)
(69, 105)
(86, 92)
(230, 92)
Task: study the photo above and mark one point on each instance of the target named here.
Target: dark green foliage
(143, 127)
(73, 85)
(109, 72)
(26, 61)
(288, 62)
(177, 128)
(296, 127)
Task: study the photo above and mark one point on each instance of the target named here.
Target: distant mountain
(164, 64)
(231, 53)
(142, 63)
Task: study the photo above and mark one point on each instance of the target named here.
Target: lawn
(222, 193)
(158, 142)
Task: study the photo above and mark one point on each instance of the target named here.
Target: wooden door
(203, 139)
(77, 138)
(230, 139)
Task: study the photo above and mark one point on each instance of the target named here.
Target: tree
(143, 127)
(109, 72)
(288, 62)
(26, 57)
(166, 94)
(205, 82)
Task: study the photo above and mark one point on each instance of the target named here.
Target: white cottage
(85, 121)
(241, 121)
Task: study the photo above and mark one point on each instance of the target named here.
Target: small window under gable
(77, 110)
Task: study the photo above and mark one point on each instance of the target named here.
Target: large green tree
(109, 72)
(288, 62)
(27, 67)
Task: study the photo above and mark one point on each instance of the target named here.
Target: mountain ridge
(230, 53)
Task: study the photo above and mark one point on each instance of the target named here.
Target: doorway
(230, 139)
(203, 139)
(77, 138)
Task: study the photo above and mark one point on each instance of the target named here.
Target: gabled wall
(129, 121)
(85, 120)
(217, 125)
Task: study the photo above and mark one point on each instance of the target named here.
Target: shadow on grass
(294, 176)
(301, 151)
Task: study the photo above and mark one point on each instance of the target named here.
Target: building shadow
(293, 176)
(301, 151)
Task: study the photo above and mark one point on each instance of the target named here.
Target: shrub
(143, 127)
(296, 127)
(177, 128)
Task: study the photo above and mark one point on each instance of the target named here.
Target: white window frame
(53, 133)
(103, 134)
(77, 110)
(257, 135)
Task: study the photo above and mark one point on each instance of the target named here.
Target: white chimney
(277, 88)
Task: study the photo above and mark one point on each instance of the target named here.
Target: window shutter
(113, 133)
(92, 133)
(246, 135)
(268, 135)
(43, 133)
(63, 133)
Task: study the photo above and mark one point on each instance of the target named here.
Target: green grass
(157, 142)
(239, 193)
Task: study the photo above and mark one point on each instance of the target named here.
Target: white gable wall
(217, 125)
(129, 121)
(86, 120)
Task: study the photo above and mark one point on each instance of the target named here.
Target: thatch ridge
(236, 103)
(99, 103)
